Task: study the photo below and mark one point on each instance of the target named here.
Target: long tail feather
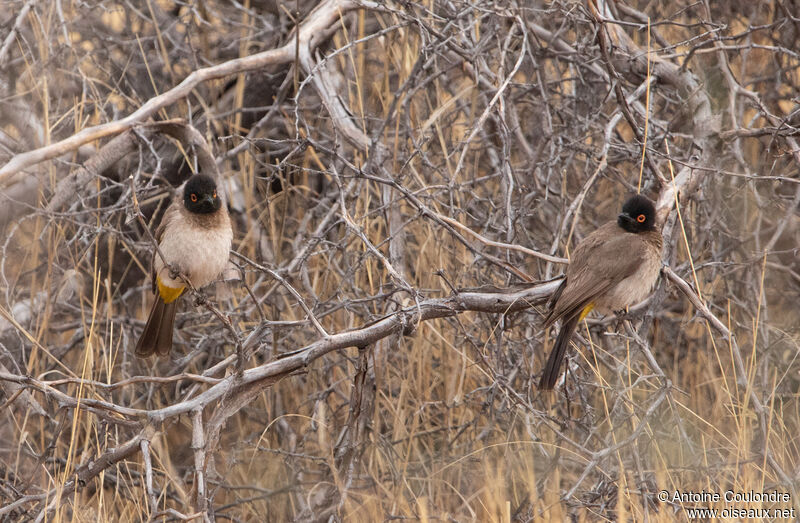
(553, 366)
(157, 333)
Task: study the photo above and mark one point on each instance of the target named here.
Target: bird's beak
(624, 217)
(210, 199)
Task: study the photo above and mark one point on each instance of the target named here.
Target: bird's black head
(638, 214)
(200, 195)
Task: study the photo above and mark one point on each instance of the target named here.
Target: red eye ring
(193, 197)
(641, 218)
(215, 195)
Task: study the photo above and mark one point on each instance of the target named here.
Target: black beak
(624, 217)
(210, 199)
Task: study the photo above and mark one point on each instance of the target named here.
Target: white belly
(201, 255)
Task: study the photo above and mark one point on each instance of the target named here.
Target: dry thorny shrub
(379, 162)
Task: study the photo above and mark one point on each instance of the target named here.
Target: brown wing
(600, 261)
(166, 218)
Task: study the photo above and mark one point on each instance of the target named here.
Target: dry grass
(446, 423)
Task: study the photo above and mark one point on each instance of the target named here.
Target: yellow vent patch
(586, 310)
(168, 294)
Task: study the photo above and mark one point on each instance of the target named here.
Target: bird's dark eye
(641, 218)
(193, 197)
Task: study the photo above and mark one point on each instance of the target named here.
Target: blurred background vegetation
(407, 155)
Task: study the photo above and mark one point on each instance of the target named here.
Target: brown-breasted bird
(612, 268)
(195, 238)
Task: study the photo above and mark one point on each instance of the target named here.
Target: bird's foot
(200, 299)
(174, 271)
(621, 316)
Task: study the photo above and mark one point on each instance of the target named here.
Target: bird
(612, 268)
(194, 238)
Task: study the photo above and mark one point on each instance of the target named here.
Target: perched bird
(195, 237)
(614, 267)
